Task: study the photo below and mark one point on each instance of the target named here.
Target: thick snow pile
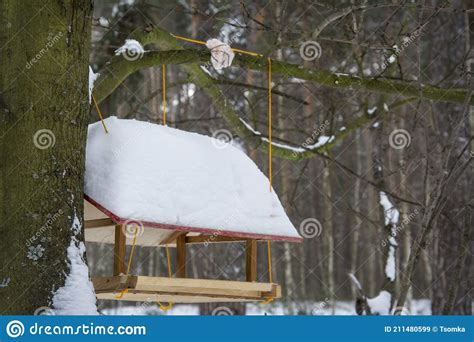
(163, 175)
(77, 296)
(221, 54)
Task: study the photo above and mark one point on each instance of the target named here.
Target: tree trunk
(406, 232)
(328, 232)
(357, 209)
(44, 111)
(372, 235)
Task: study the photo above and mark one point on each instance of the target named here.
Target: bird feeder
(152, 185)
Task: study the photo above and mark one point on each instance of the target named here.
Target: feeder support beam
(251, 260)
(119, 250)
(181, 256)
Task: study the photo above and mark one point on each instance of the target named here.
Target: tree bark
(43, 116)
(371, 236)
(357, 210)
(328, 231)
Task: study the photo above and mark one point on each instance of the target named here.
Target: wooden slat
(176, 290)
(98, 223)
(251, 260)
(166, 298)
(119, 250)
(275, 292)
(172, 237)
(144, 283)
(174, 284)
(213, 239)
(181, 256)
(196, 290)
(117, 283)
(191, 291)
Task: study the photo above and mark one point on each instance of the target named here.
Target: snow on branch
(131, 50)
(355, 281)
(391, 213)
(320, 142)
(392, 216)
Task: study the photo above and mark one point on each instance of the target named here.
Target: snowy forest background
(398, 145)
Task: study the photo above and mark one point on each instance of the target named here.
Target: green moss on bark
(44, 102)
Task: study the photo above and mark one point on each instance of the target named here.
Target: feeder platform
(179, 290)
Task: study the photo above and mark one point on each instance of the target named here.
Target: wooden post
(119, 250)
(251, 260)
(181, 256)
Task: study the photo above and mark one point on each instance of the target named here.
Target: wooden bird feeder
(125, 186)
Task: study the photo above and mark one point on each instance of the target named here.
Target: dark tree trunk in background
(43, 116)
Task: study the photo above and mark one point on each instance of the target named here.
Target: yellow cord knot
(121, 294)
(165, 307)
(170, 304)
(268, 300)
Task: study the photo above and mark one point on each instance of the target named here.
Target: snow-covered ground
(418, 307)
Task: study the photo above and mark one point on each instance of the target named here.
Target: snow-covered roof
(171, 179)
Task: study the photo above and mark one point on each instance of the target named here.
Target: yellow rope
(170, 304)
(121, 294)
(269, 255)
(163, 78)
(270, 122)
(204, 43)
(163, 69)
(270, 171)
(189, 39)
(169, 263)
(247, 52)
(130, 258)
(269, 98)
(100, 114)
(270, 275)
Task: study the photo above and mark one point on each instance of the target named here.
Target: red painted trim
(120, 220)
